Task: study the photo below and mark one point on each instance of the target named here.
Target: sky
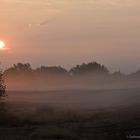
(69, 32)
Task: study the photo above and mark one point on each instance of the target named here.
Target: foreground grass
(49, 124)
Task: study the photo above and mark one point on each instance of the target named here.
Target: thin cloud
(43, 23)
(26, 3)
(116, 3)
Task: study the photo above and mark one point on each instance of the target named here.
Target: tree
(18, 69)
(89, 69)
(135, 75)
(52, 70)
(3, 110)
(2, 86)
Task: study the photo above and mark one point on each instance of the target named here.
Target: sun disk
(2, 44)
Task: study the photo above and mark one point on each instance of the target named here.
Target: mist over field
(21, 77)
(76, 99)
(85, 86)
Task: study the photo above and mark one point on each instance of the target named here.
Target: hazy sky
(67, 32)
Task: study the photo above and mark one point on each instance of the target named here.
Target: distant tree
(23, 67)
(53, 70)
(118, 75)
(135, 75)
(5, 116)
(90, 68)
(18, 68)
(2, 86)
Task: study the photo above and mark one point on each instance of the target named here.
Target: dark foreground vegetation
(49, 124)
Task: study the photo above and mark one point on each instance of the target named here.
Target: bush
(2, 86)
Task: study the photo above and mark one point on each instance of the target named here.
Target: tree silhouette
(2, 86)
(53, 70)
(3, 110)
(18, 69)
(90, 68)
(135, 75)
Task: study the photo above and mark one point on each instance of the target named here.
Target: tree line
(84, 69)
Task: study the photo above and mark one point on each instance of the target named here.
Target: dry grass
(49, 124)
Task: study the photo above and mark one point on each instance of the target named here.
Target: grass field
(46, 122)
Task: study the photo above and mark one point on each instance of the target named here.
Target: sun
(2, 44)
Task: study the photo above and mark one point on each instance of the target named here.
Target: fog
(76, 99)
(45, 83)
(85, 86)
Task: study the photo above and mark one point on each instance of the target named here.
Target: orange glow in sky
(2, 44)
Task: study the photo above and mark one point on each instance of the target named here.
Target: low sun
(2, 44)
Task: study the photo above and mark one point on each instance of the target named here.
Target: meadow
(71, 115)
